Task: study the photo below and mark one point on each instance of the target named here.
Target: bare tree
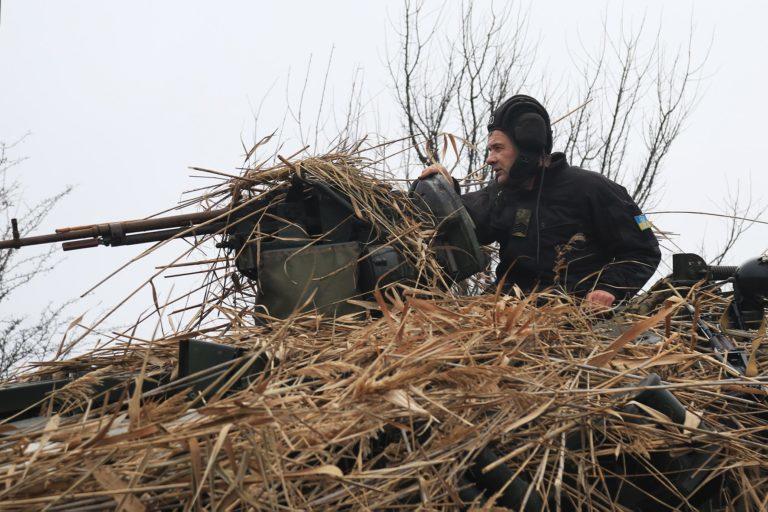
(448, 77)
(447, 82)
(425, 83)
(740, 212)
(495, 63)
(625, 85)
(22, 338)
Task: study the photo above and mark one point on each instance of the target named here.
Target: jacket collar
(558, 162)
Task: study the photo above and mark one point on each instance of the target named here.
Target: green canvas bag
(322, 276)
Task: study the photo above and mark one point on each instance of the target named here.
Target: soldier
(556, 224)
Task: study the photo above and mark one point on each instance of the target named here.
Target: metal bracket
(198, 356)
(15, 231)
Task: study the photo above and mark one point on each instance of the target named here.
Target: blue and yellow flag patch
(642, 222)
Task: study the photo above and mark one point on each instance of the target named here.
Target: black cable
(536, 214)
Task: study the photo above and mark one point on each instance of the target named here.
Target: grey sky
(121, 97)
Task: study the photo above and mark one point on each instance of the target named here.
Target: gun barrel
(135, 226)
(114, 233)
(722, 272)
(165, 234)
(40, 239)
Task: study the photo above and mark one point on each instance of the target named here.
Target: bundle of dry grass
(426, 400)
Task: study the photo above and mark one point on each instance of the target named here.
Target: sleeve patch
(642, 222)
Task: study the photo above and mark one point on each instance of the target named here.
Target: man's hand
(436, 169)
(599, 299)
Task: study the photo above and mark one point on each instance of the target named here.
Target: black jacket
(611, 246)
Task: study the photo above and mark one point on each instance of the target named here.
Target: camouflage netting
(425, 400)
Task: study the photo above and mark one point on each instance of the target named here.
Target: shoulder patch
(522, 220)
(642, 222)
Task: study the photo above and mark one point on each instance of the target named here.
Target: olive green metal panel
(322, 277)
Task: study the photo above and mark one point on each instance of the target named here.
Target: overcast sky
(121, 97)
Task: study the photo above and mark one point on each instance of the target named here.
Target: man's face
(501, 155)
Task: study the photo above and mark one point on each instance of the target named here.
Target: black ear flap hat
(526, 122)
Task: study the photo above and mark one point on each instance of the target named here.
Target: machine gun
(307, 229)
(750, 284)
(313, 249)
(747, 309)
